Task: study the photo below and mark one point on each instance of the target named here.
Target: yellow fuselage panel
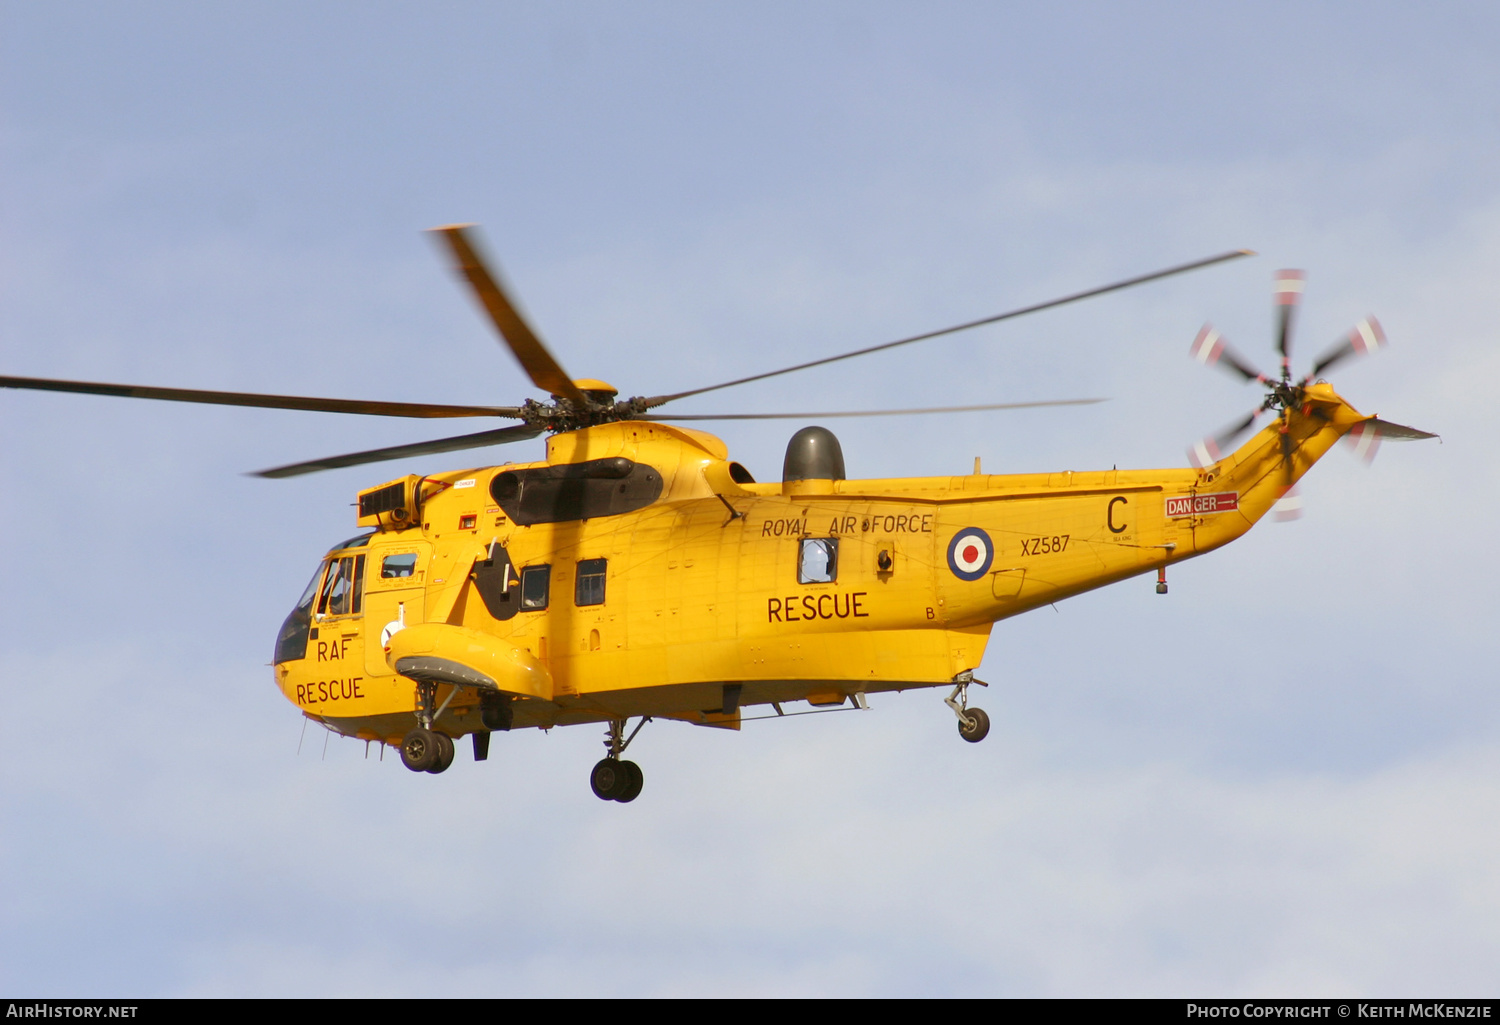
(702, 587)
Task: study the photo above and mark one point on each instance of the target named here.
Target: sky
(1283, 778)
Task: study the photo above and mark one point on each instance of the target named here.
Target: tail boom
(1265, 467)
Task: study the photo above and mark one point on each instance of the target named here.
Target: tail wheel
(974, 725)
(444, 755)
(419, 750)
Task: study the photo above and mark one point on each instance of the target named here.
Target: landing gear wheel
(444, 744)
(419, 750)
(608, 779)
(634, 780)
(974, 725)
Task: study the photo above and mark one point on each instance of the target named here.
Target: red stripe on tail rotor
(1207, 347)
(1289, 286)
(1203, 453)
(1364, 438)
(1367, 336)
(1289, 505)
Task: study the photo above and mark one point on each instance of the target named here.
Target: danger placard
(1179, 506)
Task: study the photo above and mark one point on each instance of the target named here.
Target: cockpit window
(353, 542)
(291, 642)
(393, 566)
(305, 602)
(343, 588)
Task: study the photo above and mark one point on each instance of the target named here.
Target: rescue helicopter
(639, 573)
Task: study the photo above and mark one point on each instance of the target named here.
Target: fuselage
(638, 571)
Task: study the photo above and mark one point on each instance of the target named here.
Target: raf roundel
(970, 554)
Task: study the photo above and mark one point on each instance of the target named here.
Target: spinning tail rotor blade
(1289, 286)
(1289, 505)
(1210, 349)
(1367, 336)
(483, 439)
(533, 356)
(1211, 450)
(1364, 439)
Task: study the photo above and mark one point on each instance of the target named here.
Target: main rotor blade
(869, 412)
(533, 356)
(503, 435)
(1075, 297)
(424, 410)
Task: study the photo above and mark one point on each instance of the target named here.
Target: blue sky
(1279, 779)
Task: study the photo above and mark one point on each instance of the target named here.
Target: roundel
(970, 554)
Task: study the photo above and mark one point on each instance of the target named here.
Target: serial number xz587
(1045, 545)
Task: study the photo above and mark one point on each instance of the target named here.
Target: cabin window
(343, 587)
(393, 566)
(536, 581)
(590, 587)
(817, 560)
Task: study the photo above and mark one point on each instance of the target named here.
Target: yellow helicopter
(638, 572)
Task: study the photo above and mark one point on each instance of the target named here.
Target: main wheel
(444, 757)
(634, 780)
(976, 728)
(419, 750)
(609, 779)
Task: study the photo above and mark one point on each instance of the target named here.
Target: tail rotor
(1283, 394)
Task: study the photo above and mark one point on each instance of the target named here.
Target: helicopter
(637, 572)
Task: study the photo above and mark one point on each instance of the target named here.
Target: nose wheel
(973, 723)
(614, 779)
